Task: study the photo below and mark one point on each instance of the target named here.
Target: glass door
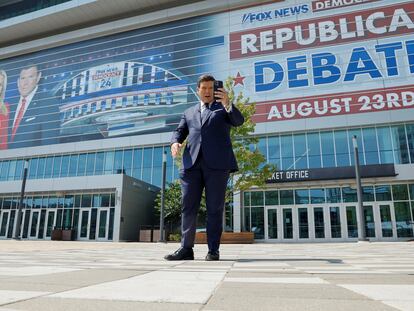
(351, 221)
(271, 224)
(369, 221)
(303, 221)
(335, 222)
(387, 230)
(4, 221)
(287, 223)
(34, 224)
(319, 222)
(103, 224)
(50, 222)
(84, 225)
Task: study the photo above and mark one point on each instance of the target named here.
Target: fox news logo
(274, 14)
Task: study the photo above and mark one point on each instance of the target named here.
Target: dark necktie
(204, 112)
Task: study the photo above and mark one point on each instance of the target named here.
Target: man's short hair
(205, 78)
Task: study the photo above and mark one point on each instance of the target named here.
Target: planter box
(57, 235)
(228, 238)
(68, 235)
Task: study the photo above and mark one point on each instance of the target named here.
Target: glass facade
(377, 145)
(24, 7)
(43, 213)
(291, 202)
(141, 163)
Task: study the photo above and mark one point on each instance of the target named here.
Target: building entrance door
(103, 224)
(50, 222)
(34, 224)
(4, 222)
(84, 225)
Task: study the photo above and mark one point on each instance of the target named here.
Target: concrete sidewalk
(48, 275)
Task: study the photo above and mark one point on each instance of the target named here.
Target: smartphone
(217, 85)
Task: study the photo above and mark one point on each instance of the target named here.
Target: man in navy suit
(35, 118)
(208, 159)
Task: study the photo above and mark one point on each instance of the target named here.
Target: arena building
(90, 91)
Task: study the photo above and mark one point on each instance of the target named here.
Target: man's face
(1, 83)
(28, 80)
(206, 91)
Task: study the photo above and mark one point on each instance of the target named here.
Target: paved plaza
(51, 275)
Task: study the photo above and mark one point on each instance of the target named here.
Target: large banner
(295, 59)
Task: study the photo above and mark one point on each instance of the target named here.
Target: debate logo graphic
(122, 98)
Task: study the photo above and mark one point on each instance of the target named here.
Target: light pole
(361, 229)
(19, 211)
(164, 170)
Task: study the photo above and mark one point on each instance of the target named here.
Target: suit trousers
(193, 181)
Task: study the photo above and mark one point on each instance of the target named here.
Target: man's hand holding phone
(220, 94)
(175, 149)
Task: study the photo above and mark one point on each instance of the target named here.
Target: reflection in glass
(272, 223)
(319, 222)
(303, 223)
(386, 223)
(403, 219)
(369, 221)
(335, 221)
(351, 222)
(287, 223)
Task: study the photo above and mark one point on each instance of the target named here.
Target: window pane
(257, 198)
(49, 167)
(157, 166)
(86, 200)
(385, 145)
(258, 222)
(358, 134)
(333, 195)
(286, 197)
(314, 150)
(349, 194)
(90, 164)
(301, 196)
(12, 170)
(81, 165)
(96, 200)
(328, 155)
(287, 152)
(383, 193)
(342, 148)
(246, 198)
(400, 192)
(137, 163)
(411, 187)
(109, 162)
(99, 163)
(127, 165)
(368, 194)
(105, 200)
(147, 165)
(403, 219)
(118, 169)
(301, 153)
(317, 196)
(274, 151)
(400, 144)
(33, 168)
(41, 168)
(65, 166)
(370, 146)
(73, 165)
(272, 197)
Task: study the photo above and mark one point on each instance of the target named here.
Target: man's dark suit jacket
(211, 137)
(39, 125)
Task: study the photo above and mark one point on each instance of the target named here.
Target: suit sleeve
(181, 132)
(235, 116)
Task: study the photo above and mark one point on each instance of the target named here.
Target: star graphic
(239, 79)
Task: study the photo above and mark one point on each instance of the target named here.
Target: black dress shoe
(212, 256)
(181, 254)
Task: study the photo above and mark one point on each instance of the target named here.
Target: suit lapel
(197, 115)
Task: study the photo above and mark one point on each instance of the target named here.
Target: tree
(253, 171)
